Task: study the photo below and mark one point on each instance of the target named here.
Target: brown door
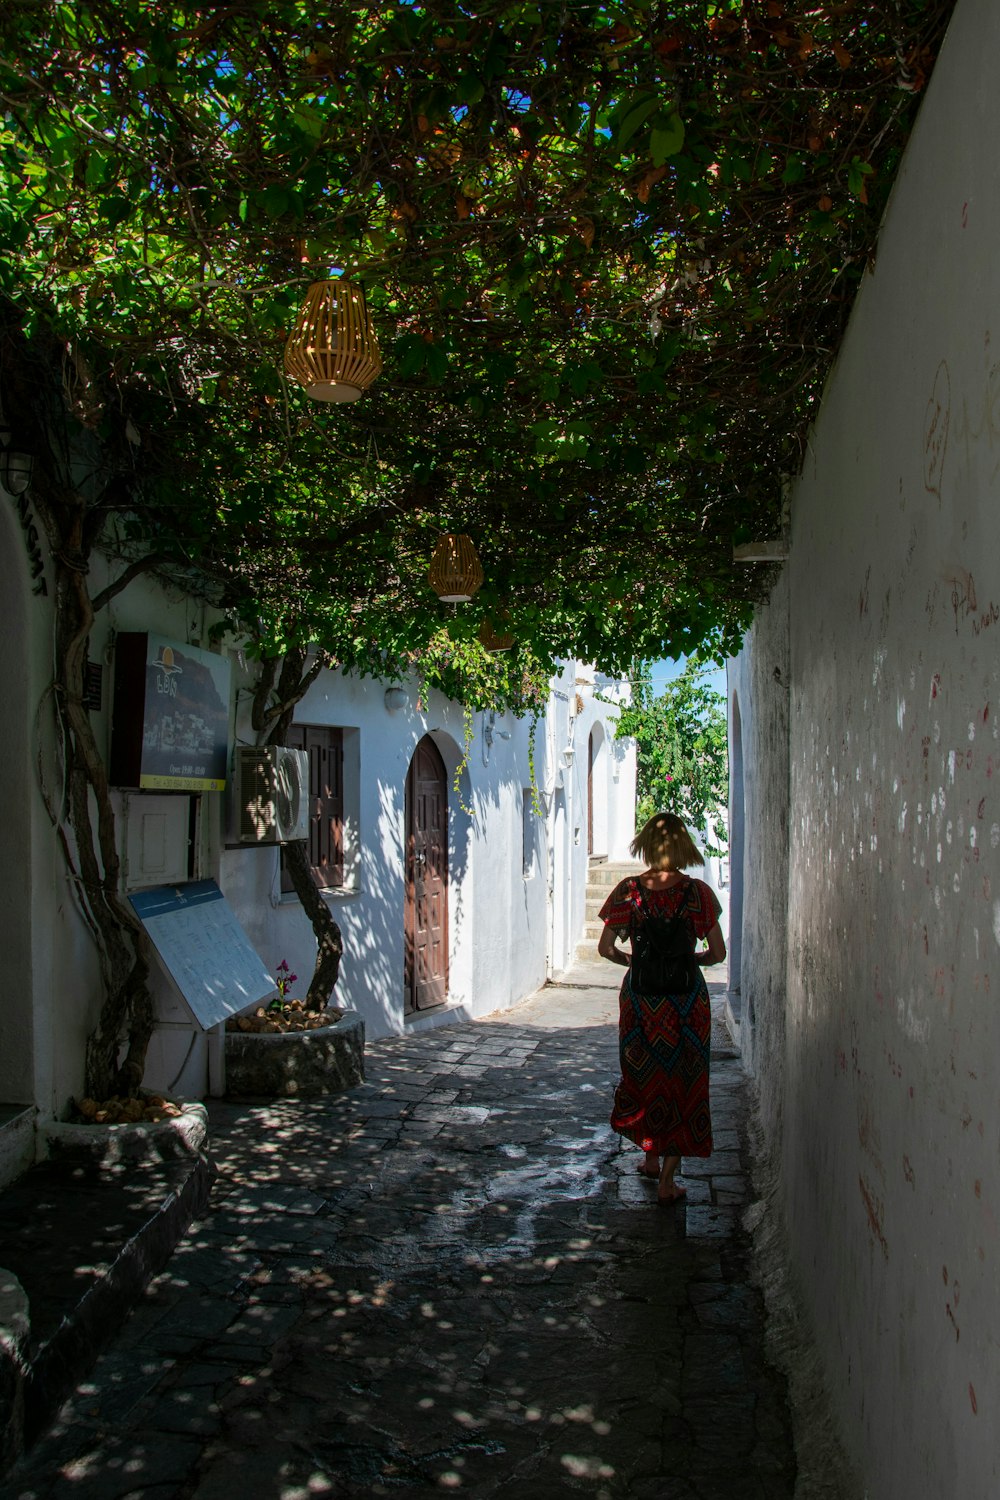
(325, 748)
(426, 944)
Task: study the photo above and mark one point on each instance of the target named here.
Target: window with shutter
(325, 748)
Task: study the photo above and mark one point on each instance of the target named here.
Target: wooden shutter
(325, 749)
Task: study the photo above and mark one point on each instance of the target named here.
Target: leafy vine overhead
(609, 250)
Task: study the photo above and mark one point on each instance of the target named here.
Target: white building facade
(517, 813)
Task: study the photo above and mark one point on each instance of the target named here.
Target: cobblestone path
(449, 1280)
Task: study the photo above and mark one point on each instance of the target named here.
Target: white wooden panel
(156, 840)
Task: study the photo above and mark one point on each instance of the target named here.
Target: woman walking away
(665, 1019)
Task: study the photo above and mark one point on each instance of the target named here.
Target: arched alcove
(736, 844)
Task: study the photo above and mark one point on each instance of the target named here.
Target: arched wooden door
(426, 937)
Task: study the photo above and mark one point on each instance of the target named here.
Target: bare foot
(672, 1193)
(650, 1166)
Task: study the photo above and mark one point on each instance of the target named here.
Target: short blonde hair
(665, 844)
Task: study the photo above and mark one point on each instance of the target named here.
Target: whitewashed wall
(887, 1067)
(512, 919)
(496, 917)
(758, 694)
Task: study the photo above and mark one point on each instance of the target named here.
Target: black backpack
(662, 954)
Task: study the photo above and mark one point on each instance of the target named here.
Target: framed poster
(170, 722)
(204, 949)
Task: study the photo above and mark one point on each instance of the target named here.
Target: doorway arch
(425, 978)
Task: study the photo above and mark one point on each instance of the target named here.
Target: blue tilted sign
(204, 949)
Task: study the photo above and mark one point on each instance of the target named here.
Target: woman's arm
(606, 947)
(716, 950)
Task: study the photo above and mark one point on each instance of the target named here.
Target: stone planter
(165, 1140)
(296, 1064)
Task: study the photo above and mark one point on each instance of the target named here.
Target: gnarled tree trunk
(85, 820)
(271, 720)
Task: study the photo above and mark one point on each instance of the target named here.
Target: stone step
(601, 892)
(602, 877)
(606, 877)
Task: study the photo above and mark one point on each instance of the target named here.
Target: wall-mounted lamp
(15, 466)
(567, 756)
(395, 699)
(747, 552)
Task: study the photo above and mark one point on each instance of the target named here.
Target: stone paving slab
(450, 1282)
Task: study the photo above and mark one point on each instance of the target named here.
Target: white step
(602, 877)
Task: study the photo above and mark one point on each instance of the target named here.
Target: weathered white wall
(17, 1041)
(758, 693)
(507, 929)
(497, 918)
(888, 1071)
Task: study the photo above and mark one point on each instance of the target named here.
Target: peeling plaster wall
(889, 1070)
(758, 695)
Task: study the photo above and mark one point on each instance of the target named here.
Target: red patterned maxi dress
(661, 1102)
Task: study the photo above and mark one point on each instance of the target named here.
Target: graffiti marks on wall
(951, 1306)
(963, 594)
(989, 616)
(32, 541)
(965, 606)
(936, 424)
(875, 1214)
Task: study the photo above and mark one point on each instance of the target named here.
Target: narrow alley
(451, 1278)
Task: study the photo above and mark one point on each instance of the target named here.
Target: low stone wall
(296, 1064)
(17, 1141)
(179, 1136)
(15, 1329)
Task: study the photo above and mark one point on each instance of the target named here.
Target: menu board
(170, 723)
(204, 949)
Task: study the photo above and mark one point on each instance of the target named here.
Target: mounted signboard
(170, 723)
(204, 949)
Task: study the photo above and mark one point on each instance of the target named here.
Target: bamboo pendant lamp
(455, 572)
(332, 349)
(494, 640)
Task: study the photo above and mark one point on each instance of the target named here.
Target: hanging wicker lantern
(455, 572)
(494, 640)
(332, 349)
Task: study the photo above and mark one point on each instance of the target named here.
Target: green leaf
(276, 201)
(97, 169)
(666, 139)
(856, 174)
(309, 120)
(470, 89)
(633, 116)
(115, 209)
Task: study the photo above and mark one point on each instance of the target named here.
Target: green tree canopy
(682, 762)
(609, 250)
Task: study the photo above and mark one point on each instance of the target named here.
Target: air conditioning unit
(272, 794)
